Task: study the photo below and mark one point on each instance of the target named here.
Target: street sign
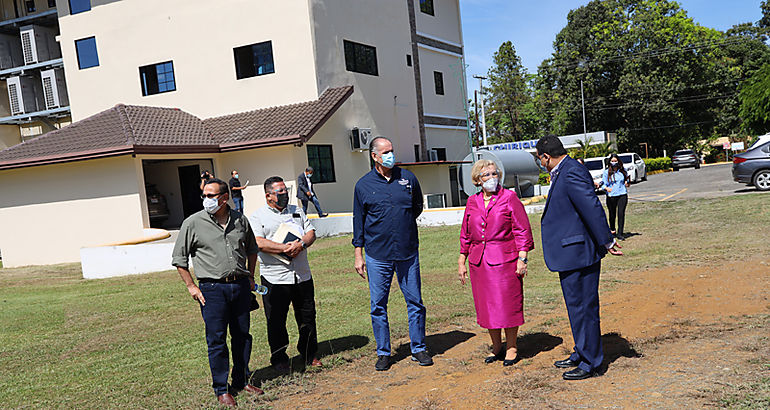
(726, 145)
(737, 146)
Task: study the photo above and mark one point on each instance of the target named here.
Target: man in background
(235, 189)
(305, 192)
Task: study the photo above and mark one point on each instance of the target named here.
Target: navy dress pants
(581, 295)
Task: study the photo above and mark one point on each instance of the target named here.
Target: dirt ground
(673, 338)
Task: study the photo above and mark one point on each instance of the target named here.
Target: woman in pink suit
(495, 238)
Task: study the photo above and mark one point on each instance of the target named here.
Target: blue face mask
(388, 160)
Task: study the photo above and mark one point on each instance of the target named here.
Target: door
(189, 184)
(454, 186)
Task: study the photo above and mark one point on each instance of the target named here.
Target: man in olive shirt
(224, 253)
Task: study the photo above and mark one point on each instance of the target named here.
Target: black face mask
(283, 200)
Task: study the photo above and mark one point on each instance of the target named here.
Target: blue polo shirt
(385, 215)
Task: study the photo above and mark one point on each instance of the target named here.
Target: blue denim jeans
(380, 275)
(316, 204)
(227, 306)
(238, 204)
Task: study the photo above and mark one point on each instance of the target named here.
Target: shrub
(545, 179)
(657, 164)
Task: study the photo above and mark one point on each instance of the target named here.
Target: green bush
(544, 179)
(657, 164)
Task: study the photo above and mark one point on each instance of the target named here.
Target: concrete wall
(446, 22)
(199, 37)
(386, 103)
(451, 103)
(48, 213)
(455, 140)
(434, 179)
(9, 136)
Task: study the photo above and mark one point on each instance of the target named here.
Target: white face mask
(211, 205)
(490, 185)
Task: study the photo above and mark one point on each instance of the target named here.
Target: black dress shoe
(511, 362)
(495, 357)
(563, 364)
(577, 374)
(383, 363)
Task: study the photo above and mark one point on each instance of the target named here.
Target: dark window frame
(323, 173)
(408, 60)
(152, 86)
(426, 6)
(78, 53)
(440, 153)
(51, 4)
(29, 5)
(247, 60)
(359, 58)
(438, 82)
(79, 6)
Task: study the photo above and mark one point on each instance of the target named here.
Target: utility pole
(583, 102)
(476, 107)
(483, 117)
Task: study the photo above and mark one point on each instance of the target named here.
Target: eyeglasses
(493, 173)
(204, 196)
(282, 191)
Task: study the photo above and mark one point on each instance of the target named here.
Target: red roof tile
(130, 129)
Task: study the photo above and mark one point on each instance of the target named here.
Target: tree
(755, 102)
(507, 97)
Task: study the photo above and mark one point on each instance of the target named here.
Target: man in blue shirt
(386, 204)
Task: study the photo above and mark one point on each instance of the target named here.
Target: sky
(532, 26)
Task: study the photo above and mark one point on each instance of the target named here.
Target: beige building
(307, 85)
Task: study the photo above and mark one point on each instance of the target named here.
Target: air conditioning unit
(39, 44)
(360, 138)
(10, 52)
(23, 94)
(433, 155)
(54, 88)
(431, 201)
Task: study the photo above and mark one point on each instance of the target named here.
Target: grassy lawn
(138, 341)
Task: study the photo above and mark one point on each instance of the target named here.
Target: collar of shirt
(284, 211)
(229, 217)
(553, 171)
(395, 173)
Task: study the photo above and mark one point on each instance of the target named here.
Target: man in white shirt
(284, 270)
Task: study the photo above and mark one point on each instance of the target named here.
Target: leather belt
(226, 279)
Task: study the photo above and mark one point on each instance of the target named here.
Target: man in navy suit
(575, 239)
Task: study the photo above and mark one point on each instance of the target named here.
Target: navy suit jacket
(302, 188)
(574, 226)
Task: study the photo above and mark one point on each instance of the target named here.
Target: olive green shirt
(216, 252)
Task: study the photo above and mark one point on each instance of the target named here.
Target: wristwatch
(525, 260)
(304, 245)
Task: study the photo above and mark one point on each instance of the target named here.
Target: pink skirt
(497, 295)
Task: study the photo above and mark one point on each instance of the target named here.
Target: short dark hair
(270, 181)
(551, 145)
(309, 169)
(374, 140)
(223, 188)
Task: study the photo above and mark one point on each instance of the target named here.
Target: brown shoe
(227, 400)
(315, 363)
(253, 390)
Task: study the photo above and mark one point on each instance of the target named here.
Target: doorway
(173, 189)
(189, 184)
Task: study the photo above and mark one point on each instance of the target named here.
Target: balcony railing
(33, 116)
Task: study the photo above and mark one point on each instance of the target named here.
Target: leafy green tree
(507, 98)
(755, 102)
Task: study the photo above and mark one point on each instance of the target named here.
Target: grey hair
(309, 169)
(372, 143)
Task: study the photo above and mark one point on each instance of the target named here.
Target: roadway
(710, 181)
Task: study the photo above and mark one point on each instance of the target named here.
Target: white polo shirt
(264, 222)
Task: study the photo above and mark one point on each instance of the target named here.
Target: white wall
(387, 103)
(199, 36)
(454, 140)
(451, 103)
(48, 213)
(445, 24)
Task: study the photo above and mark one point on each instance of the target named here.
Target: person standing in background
(305, 192)
(235, 189)
(615, 183)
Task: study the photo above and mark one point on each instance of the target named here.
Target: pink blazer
(498, 232)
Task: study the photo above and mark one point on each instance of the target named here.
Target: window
(440, 154)
(409, 60)
(157, 78)
(321, 159)
(360, 58)
(30, 5)
(416, 152)
(51, 4)
(79, 6)
(426, 6)
(86, 51)
(438, 80)
(253, 60)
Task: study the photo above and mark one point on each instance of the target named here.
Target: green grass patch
(138, 341)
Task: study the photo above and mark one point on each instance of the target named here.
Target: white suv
(635, 166)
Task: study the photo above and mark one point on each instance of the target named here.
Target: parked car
(596, 167)
(685, 158)
(635, 167)
(157, 208)
(753, 167)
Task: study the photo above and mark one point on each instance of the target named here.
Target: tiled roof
(130, 129)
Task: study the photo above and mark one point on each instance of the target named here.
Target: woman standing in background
(615, 183)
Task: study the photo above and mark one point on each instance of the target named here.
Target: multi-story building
(33, 93)
(261, 86)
